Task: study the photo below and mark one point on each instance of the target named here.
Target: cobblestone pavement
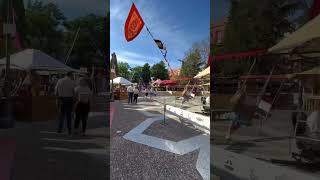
(42, 154)
(131, 160)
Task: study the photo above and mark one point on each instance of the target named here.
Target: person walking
(83, 96)
(146, 92)
(130, 93)
(135, 95)
(65, 92)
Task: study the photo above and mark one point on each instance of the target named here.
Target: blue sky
(178, 24)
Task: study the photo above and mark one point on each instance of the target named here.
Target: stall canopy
(203, 73)
(305, 39)
(121, 81)
(37, 60)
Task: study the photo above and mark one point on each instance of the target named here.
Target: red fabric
(168, 82)
(134, 24)
(264, 77)
(315, 9)
(209, 61)
(183, 79)
(240, 55)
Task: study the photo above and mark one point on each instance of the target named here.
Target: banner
(134, 24)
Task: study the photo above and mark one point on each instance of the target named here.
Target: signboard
(243, 167)
(200, 121)
(9, 29)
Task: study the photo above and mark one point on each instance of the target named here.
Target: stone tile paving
(138, 161)
(43, 154)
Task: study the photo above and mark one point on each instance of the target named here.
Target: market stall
(120, 85)
(35, 69)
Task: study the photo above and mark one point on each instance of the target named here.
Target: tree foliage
(159, 71)
(123, 70)
(89, 48)
(146, 74)
(191, 63)
(43, 27)
(256, 25)
(136, 74)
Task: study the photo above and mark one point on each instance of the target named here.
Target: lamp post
(6, 119)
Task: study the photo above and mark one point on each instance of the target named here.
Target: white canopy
(121, 80)
(305, 39)
(203, 73)
(37, 60)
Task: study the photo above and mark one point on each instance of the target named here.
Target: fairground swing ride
(301, 48)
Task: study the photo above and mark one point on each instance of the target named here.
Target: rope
(164, 55)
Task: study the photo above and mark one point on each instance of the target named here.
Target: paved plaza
(40, 153)
(272, 142)
(143, 146)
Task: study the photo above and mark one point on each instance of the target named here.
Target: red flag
(134, 24)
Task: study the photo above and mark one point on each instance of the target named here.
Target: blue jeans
(66, 104)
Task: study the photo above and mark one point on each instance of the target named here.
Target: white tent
(305, 39)
(37, 60)
(121, 80)
(203, 73)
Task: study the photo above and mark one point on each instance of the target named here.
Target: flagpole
(74, 41)
(158, 48)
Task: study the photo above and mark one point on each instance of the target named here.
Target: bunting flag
(134, 24)
(159, 44)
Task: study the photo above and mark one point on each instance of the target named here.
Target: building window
(217, 37)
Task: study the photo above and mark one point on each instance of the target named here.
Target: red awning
(240, 55)
(265, 77)
(315, 9)
(168, 82)
(209, 61)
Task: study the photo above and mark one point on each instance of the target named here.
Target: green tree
(159, 71)
(43, 27)
(136, 74)
(257, 24)
(146, 74)
(123, 70)
(89, 47)
(204, 49)
(191, 63)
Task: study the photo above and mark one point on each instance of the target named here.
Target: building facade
(217, 32)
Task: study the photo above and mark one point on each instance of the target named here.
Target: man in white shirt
(65, 92)
(130, 93)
